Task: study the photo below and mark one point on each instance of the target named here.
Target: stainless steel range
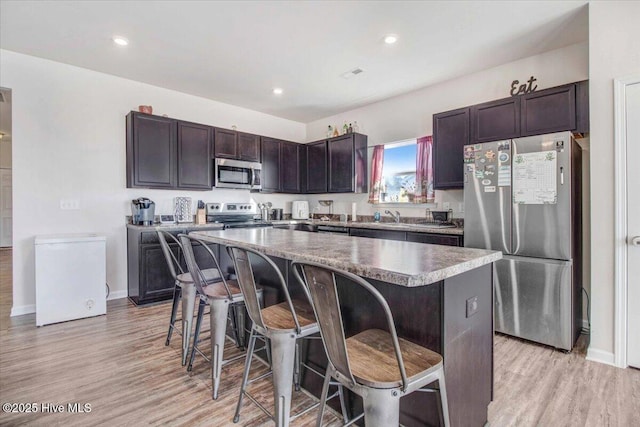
(235, 215)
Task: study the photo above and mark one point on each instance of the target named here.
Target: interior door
(633, 224)
(6, 215)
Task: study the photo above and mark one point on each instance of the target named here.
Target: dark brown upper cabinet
(231, 144)
(315, 169)
(167, 153)
(270, 164)
(450, 135)
(290, 155)
(194, 156)
(550, 110)
(225, 143)
(495, 120)
(281, 162)
(347, 164)
(248, 147)
(151, 151)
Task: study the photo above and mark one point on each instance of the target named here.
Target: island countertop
(402, 263)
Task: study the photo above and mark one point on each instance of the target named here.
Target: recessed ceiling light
(120, 41)
(277, 91)
(390, 38)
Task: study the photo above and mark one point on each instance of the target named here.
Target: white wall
(614, 51)
(5, 153)
(410, 115)
(69, 134)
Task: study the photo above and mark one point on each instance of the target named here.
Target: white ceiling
(236, 52)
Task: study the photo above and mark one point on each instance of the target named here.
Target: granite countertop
(402, 263)
(417, 228)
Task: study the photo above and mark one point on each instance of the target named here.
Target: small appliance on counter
(276, 214)
(142, 211)
(183, 209)
(300, 209)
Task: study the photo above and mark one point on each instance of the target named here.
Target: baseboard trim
(601, 356)
(117, 295)
(20, 310)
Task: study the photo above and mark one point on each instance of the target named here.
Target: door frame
(620, 207)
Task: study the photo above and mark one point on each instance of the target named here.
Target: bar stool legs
(188, 305)
(283, 350)
(218, 321)
(177, 290)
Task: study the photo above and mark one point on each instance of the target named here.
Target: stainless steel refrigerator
(522, 197)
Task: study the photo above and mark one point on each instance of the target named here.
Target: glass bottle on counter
(350, 128)
(345, 128)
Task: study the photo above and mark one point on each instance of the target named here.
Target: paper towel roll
(354, 215)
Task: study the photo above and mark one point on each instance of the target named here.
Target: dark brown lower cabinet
(409, 236)
(378, 234)
(435, 239)
(148, 276)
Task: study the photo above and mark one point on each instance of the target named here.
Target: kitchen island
(441, 297)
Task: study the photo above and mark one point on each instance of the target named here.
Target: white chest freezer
(70, 277)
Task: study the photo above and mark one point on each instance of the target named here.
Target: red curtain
(424, 171)
(376, 174)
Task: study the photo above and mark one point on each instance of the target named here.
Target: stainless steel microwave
(237, 174)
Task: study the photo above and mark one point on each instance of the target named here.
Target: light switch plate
(472, 306)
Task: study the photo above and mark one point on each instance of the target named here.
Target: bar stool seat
(217, 290)
(280, 317)
(375, 344)
(210, 275)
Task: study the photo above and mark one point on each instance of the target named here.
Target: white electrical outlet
(461, 207)
(69, 204)
(446, 206)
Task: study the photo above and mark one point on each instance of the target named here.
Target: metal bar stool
(218, 296)
(183, 289)
(283, 324)
(375, 364)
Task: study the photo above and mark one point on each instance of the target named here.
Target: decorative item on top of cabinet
(523, 89)
(146, 109)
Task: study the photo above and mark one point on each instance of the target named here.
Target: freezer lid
(68, 238)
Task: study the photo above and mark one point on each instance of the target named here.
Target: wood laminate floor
(118, 363)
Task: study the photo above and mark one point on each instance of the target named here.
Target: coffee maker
(142, 211)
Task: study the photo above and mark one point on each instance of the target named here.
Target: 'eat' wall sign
(522, 89)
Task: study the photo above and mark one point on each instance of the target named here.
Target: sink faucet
(396, 216)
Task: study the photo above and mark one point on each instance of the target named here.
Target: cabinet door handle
(561, 175)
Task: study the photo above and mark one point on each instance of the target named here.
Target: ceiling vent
(352, 73)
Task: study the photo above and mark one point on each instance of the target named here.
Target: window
(399, 172)
(402, 172)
